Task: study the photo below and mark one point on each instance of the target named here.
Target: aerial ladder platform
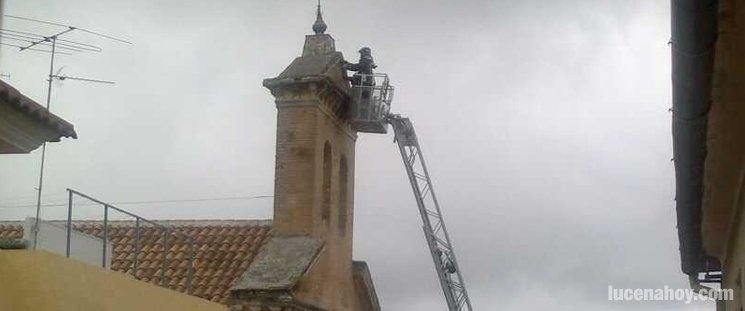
(370, 113)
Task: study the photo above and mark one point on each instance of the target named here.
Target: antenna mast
(31, 41)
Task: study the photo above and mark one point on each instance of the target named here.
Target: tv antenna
(54, 45)
(62, 77)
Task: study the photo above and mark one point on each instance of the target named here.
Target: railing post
(190, 272)
(69, 222)
(165, 253)
(137, 246)
(105, 234)
(138, 240)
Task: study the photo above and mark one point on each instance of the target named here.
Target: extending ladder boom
(437, 237)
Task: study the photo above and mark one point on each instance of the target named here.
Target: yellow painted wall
(41, 281)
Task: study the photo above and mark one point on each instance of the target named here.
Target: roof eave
(37, 112)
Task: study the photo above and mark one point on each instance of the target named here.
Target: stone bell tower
(307, 265)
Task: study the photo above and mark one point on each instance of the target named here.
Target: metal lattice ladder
(435, 232)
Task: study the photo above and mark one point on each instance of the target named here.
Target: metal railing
(139, 222)
(372, 95)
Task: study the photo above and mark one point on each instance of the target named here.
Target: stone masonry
(308, 263)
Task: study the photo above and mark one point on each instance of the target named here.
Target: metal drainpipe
(696, 285)
(694, 34)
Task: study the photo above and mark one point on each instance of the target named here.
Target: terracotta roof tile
(223, 251)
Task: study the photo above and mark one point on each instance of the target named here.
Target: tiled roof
(36, 111)
(11, 230)
(223, 250)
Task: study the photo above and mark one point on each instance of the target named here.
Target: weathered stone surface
(281, 264)
(318, 44)
(313, 192)
(316, 65)
(364, 287)
(12, 243)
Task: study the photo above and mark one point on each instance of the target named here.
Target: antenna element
(33, 41)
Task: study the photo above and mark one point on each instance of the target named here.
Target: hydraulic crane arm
(435, 232)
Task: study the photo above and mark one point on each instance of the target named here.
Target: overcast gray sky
(544, 124)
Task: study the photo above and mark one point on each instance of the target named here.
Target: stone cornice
(319, 91)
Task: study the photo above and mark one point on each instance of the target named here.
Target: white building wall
(53, 238)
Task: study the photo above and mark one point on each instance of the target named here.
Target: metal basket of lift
(372, 95)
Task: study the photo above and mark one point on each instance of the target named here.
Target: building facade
(709, 142)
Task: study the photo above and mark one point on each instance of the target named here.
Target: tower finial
(319, 27)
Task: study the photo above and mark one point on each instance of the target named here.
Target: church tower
(307, 265)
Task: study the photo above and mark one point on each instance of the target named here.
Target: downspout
(694, 34)
(701, 289)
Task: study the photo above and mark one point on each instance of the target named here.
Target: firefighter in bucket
(363, 82)
(364, 67)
